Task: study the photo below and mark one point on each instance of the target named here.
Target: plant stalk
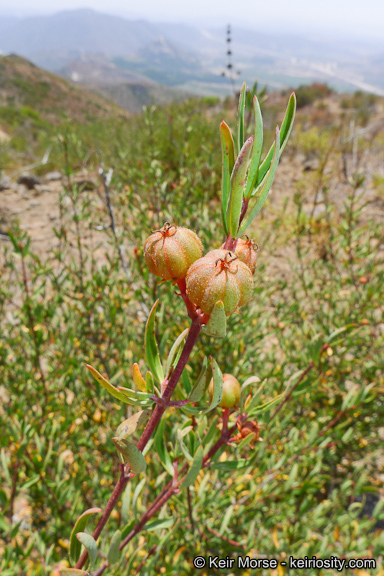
(157, 414)
(198, 319)
(170, 489)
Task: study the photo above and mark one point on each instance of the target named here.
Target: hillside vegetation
(35, 105)
(74, 289)
(22, 84)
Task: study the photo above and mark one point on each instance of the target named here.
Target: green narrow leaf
(202, 383)
(257, 149)
(151, 349)
(90, 544)
(240, 119)
(313, 433)
(217, 323)
(211, 432)
(238, 180)
(106, 384)
(184, 431)
(30, 482)
(174, 352)
(186, 382)
(136, 494)
(161, 449)
(217, 386)
(128, 527)
(195, 468)
(134, 397)
(285, 131)
(114, 552)
(131, 454)
(81, 523)
(135, 422)
(244, 393)
(339, 331)
(3, 498)
(378, 508)
(15, 243)
(265, 188)
(245, 441)
(147, 448)
(158, 524)
(4, 465)
(180, 444)
(226, 520)
(126, 503)
(149, 383)
(292, 476)
(251, 534)
(137, 378)
(265, 406)
(349, 399)
(287, 123)
(345, 437)
(164, 335)
(228, 161)
(233, 465)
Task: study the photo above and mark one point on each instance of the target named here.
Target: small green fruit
(169, 252)
(219, 275)
(231, 391)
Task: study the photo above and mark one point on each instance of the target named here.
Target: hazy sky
(359, 18)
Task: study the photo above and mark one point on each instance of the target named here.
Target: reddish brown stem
(192, 337)
(198, 319)
(191, 308)
(230, 244)
(150, 428)
(169, 490)
(228, 540)
(121, 483)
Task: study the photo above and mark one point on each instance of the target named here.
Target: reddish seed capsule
(231, 391)
(169, 252)
(219, 275)
(246, 251)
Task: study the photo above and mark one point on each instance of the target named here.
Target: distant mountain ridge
(183, 55)
(82, 30)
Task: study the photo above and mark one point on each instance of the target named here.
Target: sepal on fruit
(217, 324)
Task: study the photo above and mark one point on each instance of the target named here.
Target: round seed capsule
(220, 275)
(169, 252)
